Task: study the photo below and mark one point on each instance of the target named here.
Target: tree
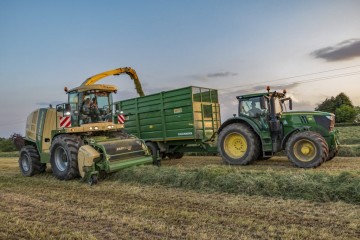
(17, 140)
(345, 113)
(6, 145)
(327, 106)
(342, 99)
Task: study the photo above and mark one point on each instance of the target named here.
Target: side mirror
(290, 104)
(262, 103)
(59, 109)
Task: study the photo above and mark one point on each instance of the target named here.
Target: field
(270, 200)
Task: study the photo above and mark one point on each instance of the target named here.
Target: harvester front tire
(307, 149)
(29, 161)
(64, 153)
(238, 144)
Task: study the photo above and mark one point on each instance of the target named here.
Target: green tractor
(79, 138)
(264, 127)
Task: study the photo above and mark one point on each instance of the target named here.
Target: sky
(311, 48)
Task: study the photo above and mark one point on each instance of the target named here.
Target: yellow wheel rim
(305, 150)
(235, 145)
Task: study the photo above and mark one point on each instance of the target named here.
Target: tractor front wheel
(29, 161)
(238, 144)
(64, 154)
(307, 149)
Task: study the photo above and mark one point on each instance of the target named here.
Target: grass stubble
(124, 207)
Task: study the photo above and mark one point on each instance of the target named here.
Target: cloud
(206, 77)
(221, 74)
(345, 50)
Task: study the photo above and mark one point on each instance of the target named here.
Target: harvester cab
(79, 137)
(265, 126)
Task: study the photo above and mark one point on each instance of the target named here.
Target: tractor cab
(87, 104)
(263, 105)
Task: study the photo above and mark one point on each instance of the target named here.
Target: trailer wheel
(153, 149)
(29, 161)
(64, 153)
(238, 144)
(307, 149)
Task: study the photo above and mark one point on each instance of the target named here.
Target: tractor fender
(240, 120)
(288, 135)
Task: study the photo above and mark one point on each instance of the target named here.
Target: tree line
(342, 107)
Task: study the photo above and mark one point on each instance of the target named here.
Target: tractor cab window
(278, 107)
(73, 101)
(252, 107)
(94, 107)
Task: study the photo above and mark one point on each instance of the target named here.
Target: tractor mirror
(67, 107)
(290, 104)
(59, 108)
(262, 103)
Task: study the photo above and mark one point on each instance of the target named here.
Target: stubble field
(190, 198)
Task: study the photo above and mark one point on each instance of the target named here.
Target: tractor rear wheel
(29, 161)
(64, 156)
(332, 154)
(238, 144)
(307, 149)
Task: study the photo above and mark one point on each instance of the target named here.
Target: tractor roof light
(268, 88)
(66, 89)
(284, 91)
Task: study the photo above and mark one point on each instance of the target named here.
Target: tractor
(79, 137)
(264, 127)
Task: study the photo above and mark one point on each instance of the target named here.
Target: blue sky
(234, 46)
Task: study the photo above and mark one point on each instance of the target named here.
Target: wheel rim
(25, 162)
(61, 159)
(235, 145)
(305, 150)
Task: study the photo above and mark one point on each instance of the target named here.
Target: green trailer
(174, 122)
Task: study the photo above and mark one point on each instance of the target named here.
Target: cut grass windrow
(313, 186)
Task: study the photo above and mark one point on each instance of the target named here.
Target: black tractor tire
(29, 161)
(238, 144)
(332, 154)
(64, 156)
(307, 149)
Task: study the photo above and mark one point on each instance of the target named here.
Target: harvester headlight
(67, 113)
(96, 128)
(110, 126)
(91, 128)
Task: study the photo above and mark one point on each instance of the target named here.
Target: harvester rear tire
(29, 161)
(64, 156)
(307, 149)
(238, 144)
